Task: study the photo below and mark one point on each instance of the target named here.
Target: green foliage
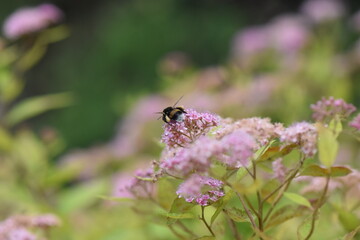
(328, 145)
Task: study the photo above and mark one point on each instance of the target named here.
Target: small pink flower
(193, 126)
(29, 20)
(327, 108)
(200, 189)
(303, 134)
(355, 123)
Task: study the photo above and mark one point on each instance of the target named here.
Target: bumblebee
(173, 113)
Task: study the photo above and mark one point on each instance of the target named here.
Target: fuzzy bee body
(173, 113)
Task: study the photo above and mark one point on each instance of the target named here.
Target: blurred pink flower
(201, 189)
(195, 158)
(250, 41)
(279, 169)
(261, 129)
(45, 221)
(327, 108)
(237, 148)
(288, 33)
(323, 10)
(355, 123)
(29, 20)
(20, 234)
(139, 186)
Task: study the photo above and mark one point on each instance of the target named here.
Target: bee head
(168, 110)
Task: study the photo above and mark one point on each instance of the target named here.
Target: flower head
(195, 158)
(355, 123)
(250, 41)
(201, 189)
(279, 169)
(329, 108)
(303, 134)
(193, 126)
(260, 128)
(29, 20)
(140, 186)
(237, 148)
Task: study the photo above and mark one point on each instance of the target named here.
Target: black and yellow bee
(173, 113)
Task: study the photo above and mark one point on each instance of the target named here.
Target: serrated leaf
(236, 214)
(34, 106)
(327, 145)
(224, 201)
(296, 198)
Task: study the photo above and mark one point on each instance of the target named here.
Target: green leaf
(6, 140)
(351, 235)
(276, 152)
(348, 219)
(224, 201)
(34, 106)
(218, 171)
(236, 214)
(297, 199)
(328, 145)
(284, 214)
(336, 126)
(339, 171)
(180, 215)
(206, 238)
(116, 199)
(166, 193)
(304, 228)
(81, 196)
(179, 206)
(241, 173)
(315, 171)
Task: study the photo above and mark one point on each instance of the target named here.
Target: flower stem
(204, 221)
(317, 208)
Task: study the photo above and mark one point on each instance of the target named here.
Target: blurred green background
(111, 57)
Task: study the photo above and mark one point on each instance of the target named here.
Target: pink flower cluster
(195, 124)
(323, 10)
(140, 186)
(29, 20)
(18, 227)
(303, 134)
(328, 108)
(260, 128)
(201, 189)
(234, 150)
(355, 123)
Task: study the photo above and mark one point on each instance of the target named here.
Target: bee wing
(178, 100)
